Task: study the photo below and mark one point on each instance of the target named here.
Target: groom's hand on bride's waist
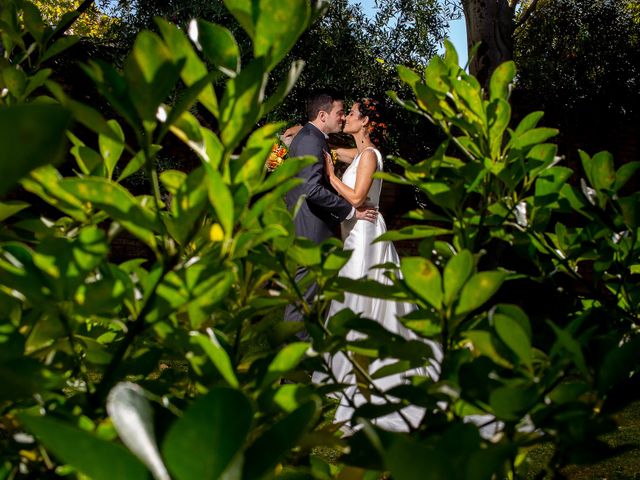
(369, 214)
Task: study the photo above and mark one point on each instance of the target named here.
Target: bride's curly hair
(377, 126)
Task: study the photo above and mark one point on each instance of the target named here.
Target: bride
(358, 187)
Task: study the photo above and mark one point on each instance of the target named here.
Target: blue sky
(457, 31)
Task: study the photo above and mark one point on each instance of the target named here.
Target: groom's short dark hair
(322, 100)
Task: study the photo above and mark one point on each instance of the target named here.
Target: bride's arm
(346, 155)
(364, 178)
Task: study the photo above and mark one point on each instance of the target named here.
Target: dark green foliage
(581, 54)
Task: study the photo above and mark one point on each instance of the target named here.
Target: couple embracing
(353, 203)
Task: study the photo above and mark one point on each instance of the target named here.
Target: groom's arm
(314, 188)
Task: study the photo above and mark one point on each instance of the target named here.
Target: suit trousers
(294, 312)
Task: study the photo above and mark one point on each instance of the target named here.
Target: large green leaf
(412, 232)
(31, 135)
(194, 69)
(151, 74)
(10, 208)
(218, 355)
(514, 336)
(268, 449)
(456, 273)
(411, 460)
(498, 116)
(218, 44)
(241, 104)
(249, 167)
(111, 149)
(287, 359)
(279, 24)
(93, 456)
(424, 278)
(532, 137)
(478, 290)
(21, 378)
(118, 203)
(501, 79)
(221, 199)
(213, 430)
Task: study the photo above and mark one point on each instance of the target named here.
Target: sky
(457, 31)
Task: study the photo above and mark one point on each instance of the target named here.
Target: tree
(94, 23)
(578, 54)
(491, 24)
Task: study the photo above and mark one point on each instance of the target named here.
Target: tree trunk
(492, 24)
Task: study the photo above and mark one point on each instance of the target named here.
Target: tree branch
(84, 6)
(527, 13)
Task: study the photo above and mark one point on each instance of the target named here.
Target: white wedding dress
(358, 236)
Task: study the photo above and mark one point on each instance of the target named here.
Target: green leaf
(456, 273)
(284, 87)
(514, 337)
(630, 209)
(369, 288)
(624, 174)
(499, 114)
(483, 344)
(194, 69)
(188, 204)
(602, 171)
(10, 208)
(150, 74)
(549, 184)
(222, 201)
(532, 137)
(22, 377)
(218, 355)
(213, 430)
(511, 403)
(31, 135)
(218, 44)
(412, 232)
(249, 167)
(278, 27)
(566, 341)
(478, 290)
(118, 203)
(528, 122)
(60, 46)
(111, 149)
(423, 277)
(245, 13)
(286, 360)
(240, 105)
(411, 460)
(501, 78)
(137, 162)
(268, 449)
(450, 54)
(45, 182)
(96, 458)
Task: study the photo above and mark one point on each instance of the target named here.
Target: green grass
(625, 466)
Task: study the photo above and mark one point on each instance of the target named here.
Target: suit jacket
(322, 208)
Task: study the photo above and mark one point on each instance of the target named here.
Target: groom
(322, 209)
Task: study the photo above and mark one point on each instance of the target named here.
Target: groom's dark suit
(322, 209)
